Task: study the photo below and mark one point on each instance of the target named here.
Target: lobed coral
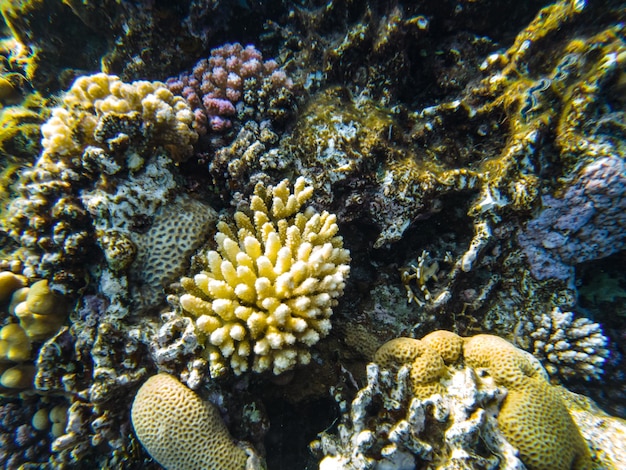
(439, 425)
(180, 430)
(234, 82)
(42, 312)
(31, 314)
(266, 295)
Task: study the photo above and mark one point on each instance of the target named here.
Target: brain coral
(180, 430)
(266, 295)
(427, 366)
(533, 417)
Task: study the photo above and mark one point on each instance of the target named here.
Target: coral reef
(397, 423)
(94, 363)
(469, 153)
(266, 295)
(105, 128)
(180, 430)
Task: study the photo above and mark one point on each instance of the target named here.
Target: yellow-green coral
(165, 117)
(267, 293)
(16, 367)
(533, 417)
(427, 366)
(180, 430)
(9, 283)
(15, 345)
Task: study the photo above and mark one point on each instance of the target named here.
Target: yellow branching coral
(267, 293)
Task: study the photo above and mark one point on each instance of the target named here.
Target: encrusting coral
(456, 382)
(104, 130)
(181, 431)
(266, 295)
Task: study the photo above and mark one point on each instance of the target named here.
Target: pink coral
(216, 85)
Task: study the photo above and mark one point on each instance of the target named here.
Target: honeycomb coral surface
(533, 417)
(180, 431)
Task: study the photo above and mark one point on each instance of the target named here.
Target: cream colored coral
(180, 430)
(167, 118)
(267, 293)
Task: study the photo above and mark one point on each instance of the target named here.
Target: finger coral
(570, 347)
(266, 294)
(232, 79)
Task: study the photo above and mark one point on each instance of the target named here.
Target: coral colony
(334, 235)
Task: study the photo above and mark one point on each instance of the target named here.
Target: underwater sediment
(314, 234)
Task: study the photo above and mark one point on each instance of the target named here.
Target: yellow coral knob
(14, 343)
(9, 282)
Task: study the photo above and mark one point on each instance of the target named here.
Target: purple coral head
(215, 86)
(219, 124)
(585, 224)
(218, 107)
